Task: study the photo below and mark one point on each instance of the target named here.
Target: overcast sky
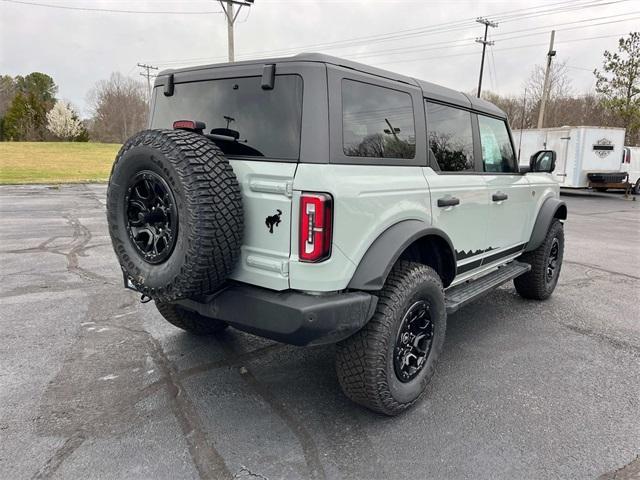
(429, 39)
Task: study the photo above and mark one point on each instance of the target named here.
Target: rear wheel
(636, 187)
(189, 321)
(387, 365)
(546, 262)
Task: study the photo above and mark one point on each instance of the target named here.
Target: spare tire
(175, 216)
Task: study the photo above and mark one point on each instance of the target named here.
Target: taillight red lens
(187, 124)
(316, 214)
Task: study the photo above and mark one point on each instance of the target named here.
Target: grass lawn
(55, 162)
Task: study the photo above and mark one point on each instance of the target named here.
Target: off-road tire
(534, 284)
(189, 321)
(364, 361)
(209, 213)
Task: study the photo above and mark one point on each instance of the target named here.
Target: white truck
(586, 156)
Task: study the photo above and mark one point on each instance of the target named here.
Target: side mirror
(543, 161)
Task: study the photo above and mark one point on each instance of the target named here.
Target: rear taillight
(316, 213)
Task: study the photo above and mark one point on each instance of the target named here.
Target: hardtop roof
(430, 90)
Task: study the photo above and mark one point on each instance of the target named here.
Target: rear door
(459, 202)
(259, 131)
(509, 192)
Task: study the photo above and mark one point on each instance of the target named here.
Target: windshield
(241, 117)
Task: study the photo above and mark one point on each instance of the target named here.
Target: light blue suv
(315, 200)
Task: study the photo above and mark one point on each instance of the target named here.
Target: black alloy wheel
(151, 216)
(413, 342)
(552, 261)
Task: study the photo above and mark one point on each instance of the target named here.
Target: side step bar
(458, 296)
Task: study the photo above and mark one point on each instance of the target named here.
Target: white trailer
(631, 164)
(580, 151)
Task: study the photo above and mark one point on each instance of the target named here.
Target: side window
(497, 151)
(450, 137)
(377, 121)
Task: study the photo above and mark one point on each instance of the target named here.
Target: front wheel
(387, 365)
(546, 262)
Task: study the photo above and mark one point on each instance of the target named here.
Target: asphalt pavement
(94, 384)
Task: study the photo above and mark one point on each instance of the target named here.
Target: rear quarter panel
(368, 199)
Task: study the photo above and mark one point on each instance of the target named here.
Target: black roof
(431, 90)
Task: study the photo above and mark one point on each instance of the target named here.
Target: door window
(377, 121)
(450, 137)
(497, 151)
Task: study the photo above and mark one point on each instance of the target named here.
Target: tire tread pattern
(532, 285)
(214, 206)
(361, 360)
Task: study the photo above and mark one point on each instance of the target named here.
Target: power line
(501, 36)
(426, 31)
(404, 33)
(498, 49)
(484, 42)
(231, 19)
(110, 10)
(148, 75)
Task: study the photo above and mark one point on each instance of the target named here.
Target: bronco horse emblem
(273, 220)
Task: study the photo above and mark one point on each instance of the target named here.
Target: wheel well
(435, 252)
(561, 212)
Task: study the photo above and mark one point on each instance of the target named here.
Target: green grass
(55, 162)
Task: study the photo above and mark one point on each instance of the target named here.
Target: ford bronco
(314, 200)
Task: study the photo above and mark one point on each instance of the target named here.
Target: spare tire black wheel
(175, 216)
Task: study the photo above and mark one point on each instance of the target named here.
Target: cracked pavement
(94, 384)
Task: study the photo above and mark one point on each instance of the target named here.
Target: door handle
(448, 201)
(499, 196)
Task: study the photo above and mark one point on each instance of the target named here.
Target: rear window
(241, 117)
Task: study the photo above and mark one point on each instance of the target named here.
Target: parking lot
(95, 384)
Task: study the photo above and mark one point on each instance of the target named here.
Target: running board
(458, 296)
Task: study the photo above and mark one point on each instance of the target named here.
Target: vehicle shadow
(253, 385)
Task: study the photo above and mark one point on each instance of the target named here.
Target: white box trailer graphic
(579, 151)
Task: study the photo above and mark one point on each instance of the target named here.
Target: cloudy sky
(83, 41)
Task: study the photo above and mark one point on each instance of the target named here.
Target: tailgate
(266, 196)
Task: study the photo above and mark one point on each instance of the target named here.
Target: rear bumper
(289, 316)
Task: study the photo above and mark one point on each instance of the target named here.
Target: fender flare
(551, 208)
(375, 265)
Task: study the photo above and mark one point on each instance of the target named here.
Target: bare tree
(120, 109)
(559, 87)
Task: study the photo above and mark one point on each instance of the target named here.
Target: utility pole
(484, 42)
(547, 81)
(227, 6)
(148, 75)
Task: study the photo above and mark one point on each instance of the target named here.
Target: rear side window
(450, 137)
(497, 151)
(241, 117)
(377, 121)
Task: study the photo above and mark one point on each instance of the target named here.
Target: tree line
(30, 111)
